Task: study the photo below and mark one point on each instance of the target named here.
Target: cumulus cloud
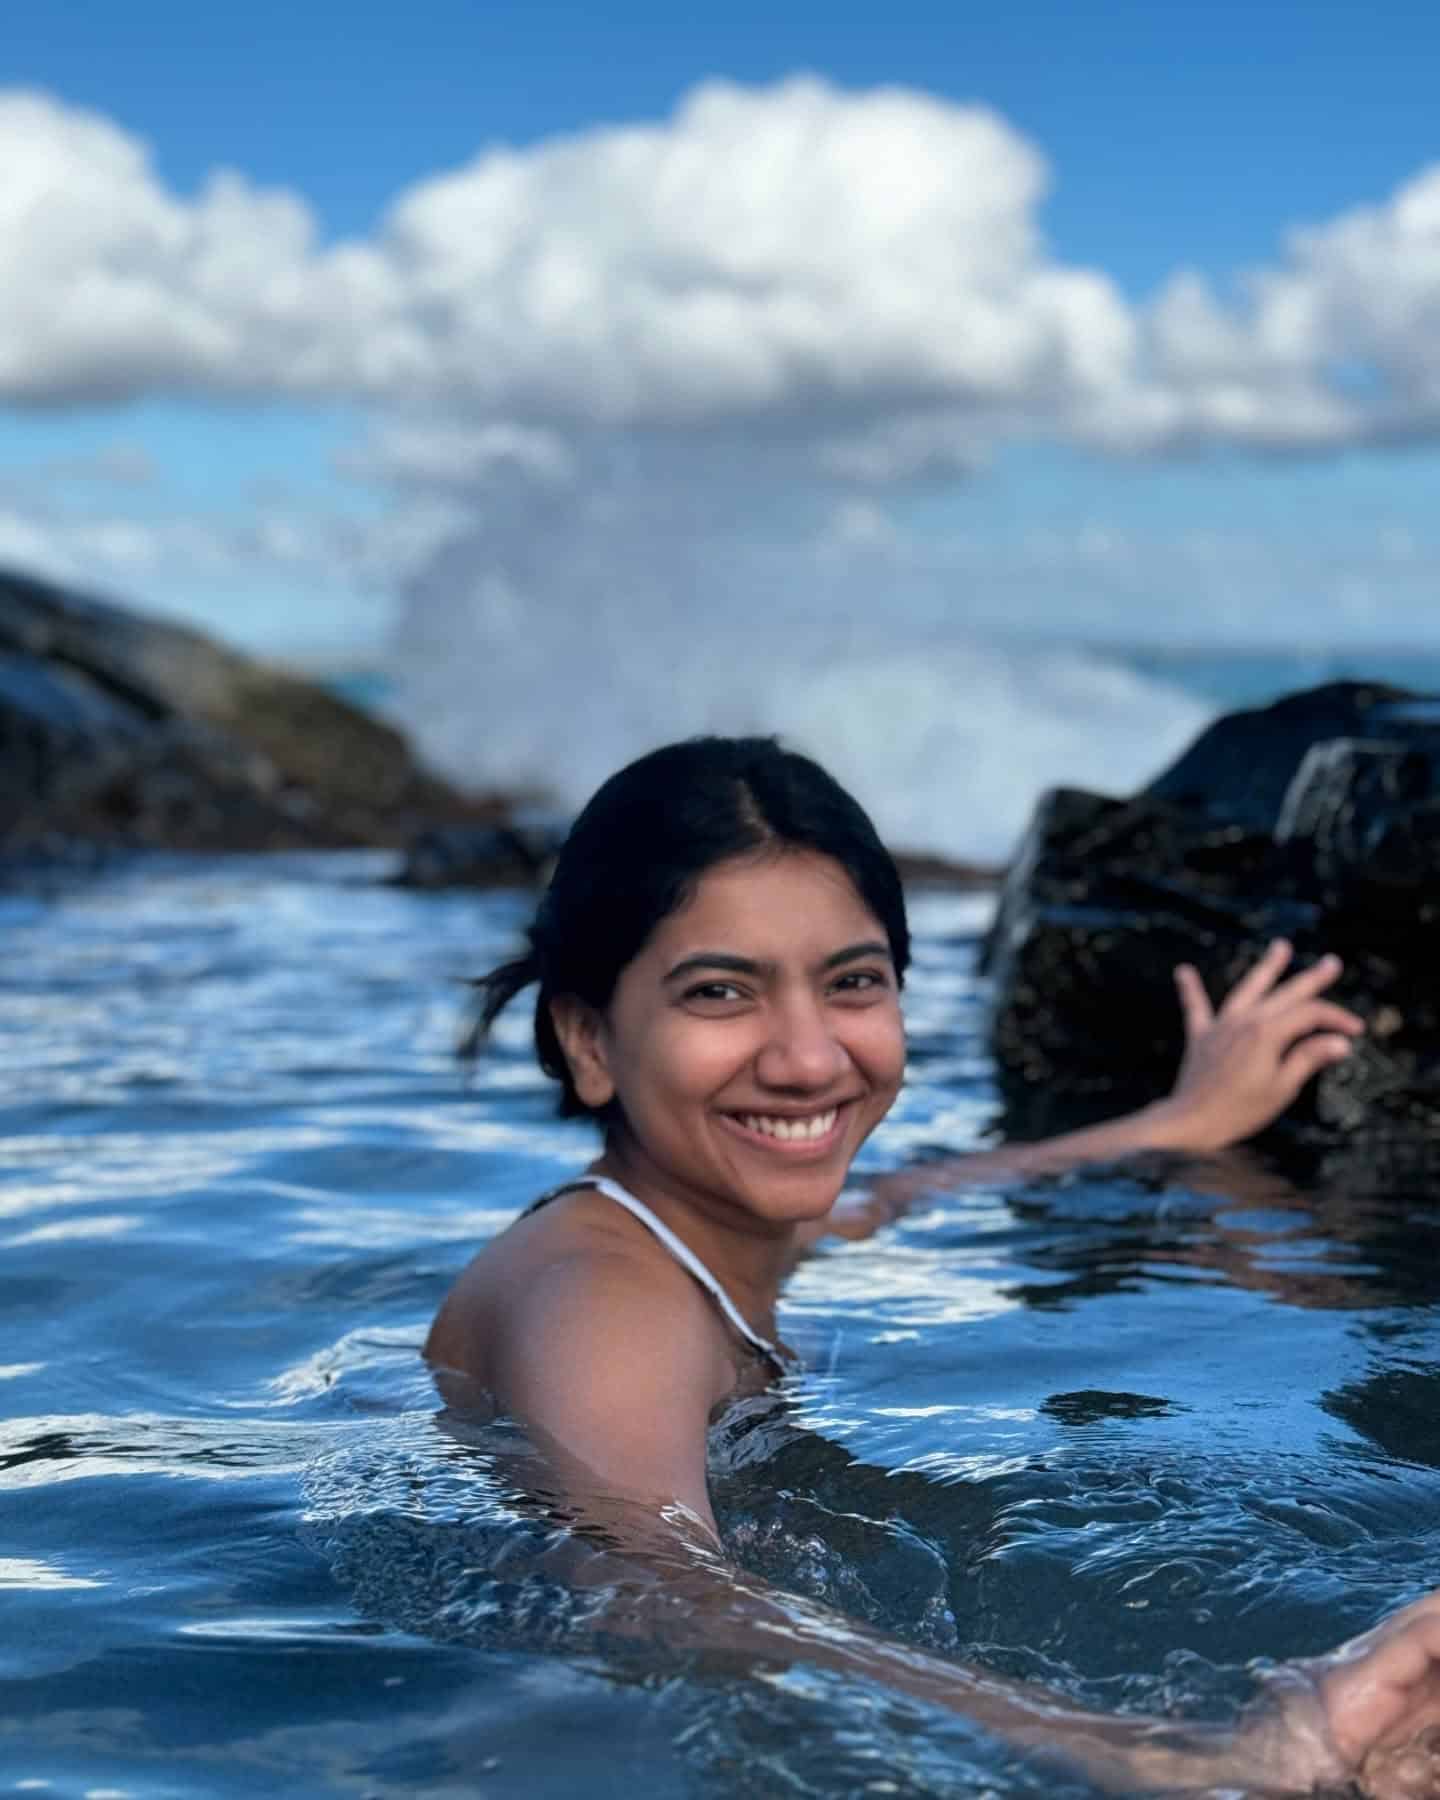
(117, 288)
(787, 254)
(795, 256)
(1335, 344)
(859, 278)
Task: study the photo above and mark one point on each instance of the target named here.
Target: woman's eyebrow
(718, 959)
(871, 947)
(744, 965)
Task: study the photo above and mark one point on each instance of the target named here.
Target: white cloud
(116, 288)
(842, 266)
(1336, 344)
(793, 252)
(858, 279)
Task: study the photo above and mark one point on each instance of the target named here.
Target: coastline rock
(1315, 819)
(517, 852)
(121, 730)
(1241, 767)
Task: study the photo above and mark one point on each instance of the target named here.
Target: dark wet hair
(640, 847)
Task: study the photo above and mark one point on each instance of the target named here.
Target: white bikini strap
(682, 1253)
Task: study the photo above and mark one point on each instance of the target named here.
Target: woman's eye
(718, 991)
(861, 981)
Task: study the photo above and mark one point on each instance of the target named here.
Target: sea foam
(946, 738)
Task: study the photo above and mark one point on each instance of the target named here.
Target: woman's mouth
(808, 1131)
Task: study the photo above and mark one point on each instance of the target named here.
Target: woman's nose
(802, 1050)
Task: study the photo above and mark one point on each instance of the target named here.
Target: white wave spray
(564, 635)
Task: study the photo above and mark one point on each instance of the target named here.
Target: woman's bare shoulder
(571, 1281)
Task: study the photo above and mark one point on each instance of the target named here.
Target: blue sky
(1176, 139)
(1256, 117)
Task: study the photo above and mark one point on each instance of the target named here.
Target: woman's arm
(616, 1381)
(1243, 1065)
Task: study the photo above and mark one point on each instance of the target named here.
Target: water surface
(1121, 1432)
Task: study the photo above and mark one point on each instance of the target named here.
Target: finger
(1310, 1056)
(1307, 984)
(1315, 1015)
(1195, 1007)
(1408, 1771)
(1254, 986)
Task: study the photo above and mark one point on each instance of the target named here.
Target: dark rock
(1095, 1406)
(1367, 814)
(1241, 767)
(1318, 820)
(120, 729)
(474, 855)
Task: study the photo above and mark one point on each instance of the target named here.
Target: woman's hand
(1382, 1696)
(1244, 1064)
(1368, 1714)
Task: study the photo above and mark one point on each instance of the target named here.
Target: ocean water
(1122, 1432)
(1230, 678)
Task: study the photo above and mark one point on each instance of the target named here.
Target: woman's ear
(581, 1031)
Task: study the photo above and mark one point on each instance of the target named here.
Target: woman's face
(755, 1041)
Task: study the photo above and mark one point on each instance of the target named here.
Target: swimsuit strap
(680, 1250)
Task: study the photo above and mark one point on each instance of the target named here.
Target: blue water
(1226, 677)
(1119, 1432)
(1229, 678)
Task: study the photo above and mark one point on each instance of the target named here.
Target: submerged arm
(616, 1384)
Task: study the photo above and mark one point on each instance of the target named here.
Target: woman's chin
(801, 1197)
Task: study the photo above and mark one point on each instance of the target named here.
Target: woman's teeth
(791, 1130)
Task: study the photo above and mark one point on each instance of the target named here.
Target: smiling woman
(753, 1044)
(719, 959)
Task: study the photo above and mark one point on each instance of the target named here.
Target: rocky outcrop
(514, 852)
(1316, 819)
(117, 728)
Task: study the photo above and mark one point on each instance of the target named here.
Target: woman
(719, 957)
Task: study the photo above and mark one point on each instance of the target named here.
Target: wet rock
(517, 852)
(1241, 767)
(1316, 819)
(116, 728)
